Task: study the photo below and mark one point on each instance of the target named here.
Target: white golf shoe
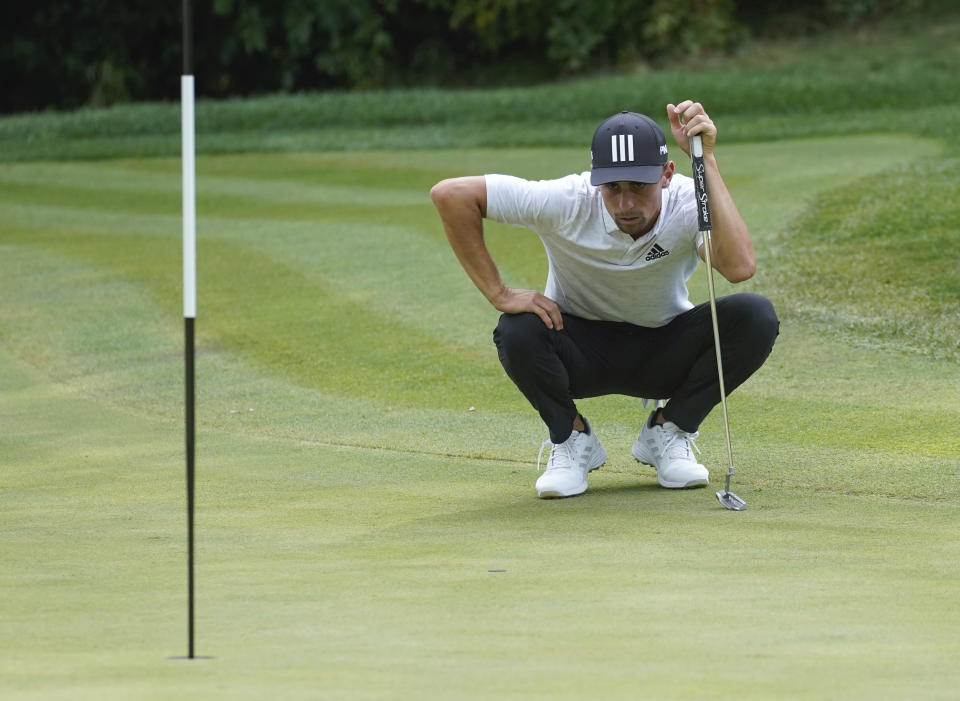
(569, 463)
(670, 451)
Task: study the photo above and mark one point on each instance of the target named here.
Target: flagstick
(188, 153)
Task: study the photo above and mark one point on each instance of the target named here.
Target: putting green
(367, 526)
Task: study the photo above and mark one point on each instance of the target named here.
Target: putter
(725, 496)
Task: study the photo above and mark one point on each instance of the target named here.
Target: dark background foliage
(65, 54)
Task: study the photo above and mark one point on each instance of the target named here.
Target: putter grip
(700, 183)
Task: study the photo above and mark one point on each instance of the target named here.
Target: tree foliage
(70, 53)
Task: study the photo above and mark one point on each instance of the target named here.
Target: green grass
(896, 236)
(365, 467)
(364, 464)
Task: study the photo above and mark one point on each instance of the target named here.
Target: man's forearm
(732, 253)
(468, 245)
(461, 203)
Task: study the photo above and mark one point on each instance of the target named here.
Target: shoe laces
(561, 454)
(677, 444)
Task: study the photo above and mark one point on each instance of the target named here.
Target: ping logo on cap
(624, 154)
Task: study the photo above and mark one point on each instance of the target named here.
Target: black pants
(677, 361)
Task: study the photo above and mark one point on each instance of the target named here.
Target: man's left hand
(687, 119)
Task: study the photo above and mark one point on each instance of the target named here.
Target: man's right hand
(512, 301)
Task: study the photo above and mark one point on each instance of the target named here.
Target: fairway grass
(334, 572)
(367, 523)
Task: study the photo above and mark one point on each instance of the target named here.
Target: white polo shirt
(595, 270)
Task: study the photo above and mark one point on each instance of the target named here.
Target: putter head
(730, 500)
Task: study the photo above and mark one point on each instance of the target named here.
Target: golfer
(615, 318)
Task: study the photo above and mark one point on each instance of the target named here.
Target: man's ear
(667, 174)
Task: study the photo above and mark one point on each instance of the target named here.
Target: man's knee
(518, 338)
(753, 316)
(518, 331)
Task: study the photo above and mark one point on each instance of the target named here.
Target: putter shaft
(708, 245)
(727, 498)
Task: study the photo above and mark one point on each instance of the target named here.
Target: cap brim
(633, 174)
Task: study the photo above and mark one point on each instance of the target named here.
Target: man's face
(635, 206)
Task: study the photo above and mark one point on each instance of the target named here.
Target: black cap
(627, 146)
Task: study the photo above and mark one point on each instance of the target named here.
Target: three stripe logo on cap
(625, 143)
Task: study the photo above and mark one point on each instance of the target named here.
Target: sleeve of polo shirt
(534, 204)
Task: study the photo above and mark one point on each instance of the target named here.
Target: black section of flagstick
(191, 447)
(187, 39)
(700, 190)
(190, 374)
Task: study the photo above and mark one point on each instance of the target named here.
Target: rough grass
(876, 261)
(884, 78)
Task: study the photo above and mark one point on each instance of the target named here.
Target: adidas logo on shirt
(657, 252)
